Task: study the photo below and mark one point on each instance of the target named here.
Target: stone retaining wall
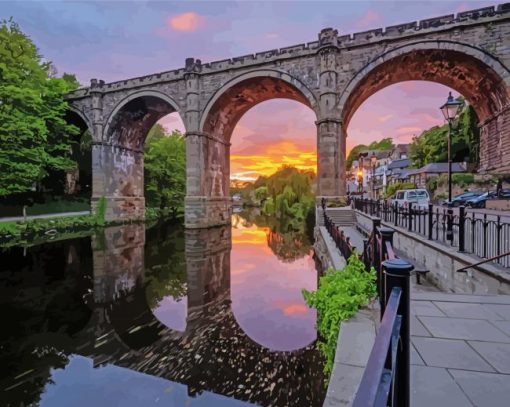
(443, 262)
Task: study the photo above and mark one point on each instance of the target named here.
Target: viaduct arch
(469, 51)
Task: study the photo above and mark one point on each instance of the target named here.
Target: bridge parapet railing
(486, 236)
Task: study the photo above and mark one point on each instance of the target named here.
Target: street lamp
(450, 110)
(360, 173)
(373, 160)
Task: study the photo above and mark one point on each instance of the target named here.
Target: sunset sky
(114, 40)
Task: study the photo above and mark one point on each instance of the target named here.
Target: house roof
(378, 153)
(402, 163)
(438, 168)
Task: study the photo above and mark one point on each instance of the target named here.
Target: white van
(419, 198)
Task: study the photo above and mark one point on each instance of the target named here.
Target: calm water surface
(163, 316)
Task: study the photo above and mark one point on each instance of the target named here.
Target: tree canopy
(34, 135)
(432, 145)
(384, 144)
(165, 169)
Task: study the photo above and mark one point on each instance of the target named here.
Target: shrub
(432, 184)
(338, 298)
(462, 180)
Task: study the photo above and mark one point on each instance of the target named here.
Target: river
(164, 316)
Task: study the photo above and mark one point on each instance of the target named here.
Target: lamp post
(373, 161)
(450, 110)
(360, 174)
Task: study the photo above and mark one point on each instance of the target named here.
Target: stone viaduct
(469, 52)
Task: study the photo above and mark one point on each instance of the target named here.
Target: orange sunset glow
(274, 133)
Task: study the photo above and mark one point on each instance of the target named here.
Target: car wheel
(456, 204)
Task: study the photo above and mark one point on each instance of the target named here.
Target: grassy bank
(40, 230)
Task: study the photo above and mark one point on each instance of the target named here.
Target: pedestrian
(499, 187)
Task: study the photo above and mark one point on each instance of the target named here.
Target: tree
(165, 171)
(34, 135)
(384, 144)
(432, 145)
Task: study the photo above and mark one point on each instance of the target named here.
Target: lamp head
(451, 108)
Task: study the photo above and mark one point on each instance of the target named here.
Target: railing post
(431, 220)
(462, 230)
(397, 273)
(395, 214)
(386, 236)
(410, 217)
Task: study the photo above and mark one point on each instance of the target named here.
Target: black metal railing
(486, 236)
(342, 242)
(386, 380)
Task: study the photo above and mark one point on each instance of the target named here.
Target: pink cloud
(368, 19)
(187, 22)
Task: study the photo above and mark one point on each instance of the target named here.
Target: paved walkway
(461, 350)
(45, 216)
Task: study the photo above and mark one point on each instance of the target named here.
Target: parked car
(419, 198)
(463, 198)
(479, 201)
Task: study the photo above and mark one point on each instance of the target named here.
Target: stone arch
(482, 78)
(132, 118)
(208, 149)
(229, 103)
(74, 110)
(471, 71)
(118, 155)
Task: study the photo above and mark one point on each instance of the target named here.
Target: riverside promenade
(460, 352)
(460, 344)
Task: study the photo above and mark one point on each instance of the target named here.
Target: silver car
(419, 198)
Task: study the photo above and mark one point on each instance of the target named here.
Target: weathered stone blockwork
(333, 76)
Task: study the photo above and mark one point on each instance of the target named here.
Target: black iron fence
(342, 241)
(483, 235)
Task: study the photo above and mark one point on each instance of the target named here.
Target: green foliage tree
(432, 145)
(34, 135)
(384, 144)
(165, 171)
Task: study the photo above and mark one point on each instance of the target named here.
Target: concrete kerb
(355, 342)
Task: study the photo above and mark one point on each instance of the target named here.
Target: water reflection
(172, 305)
(266, 289)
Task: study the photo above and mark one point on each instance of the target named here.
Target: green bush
(462, 180)
(338, 298)
(432, 184)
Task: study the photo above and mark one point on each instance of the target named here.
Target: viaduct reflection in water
(103, 303)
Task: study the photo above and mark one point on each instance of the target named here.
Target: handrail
(375, 383)
(464, 269)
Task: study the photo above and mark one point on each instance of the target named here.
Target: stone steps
(342, 216)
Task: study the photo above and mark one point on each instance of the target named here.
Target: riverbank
(40, 230)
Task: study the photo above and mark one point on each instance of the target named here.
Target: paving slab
(463, 328)
(355, 342)
(426, 308)
(470, 298)
(417, 328)
(469, 310)
(502, 310)
(433, 386)
(450, 353)
(497, 354)
(484, 389)
(503, 326)
(415, 357)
